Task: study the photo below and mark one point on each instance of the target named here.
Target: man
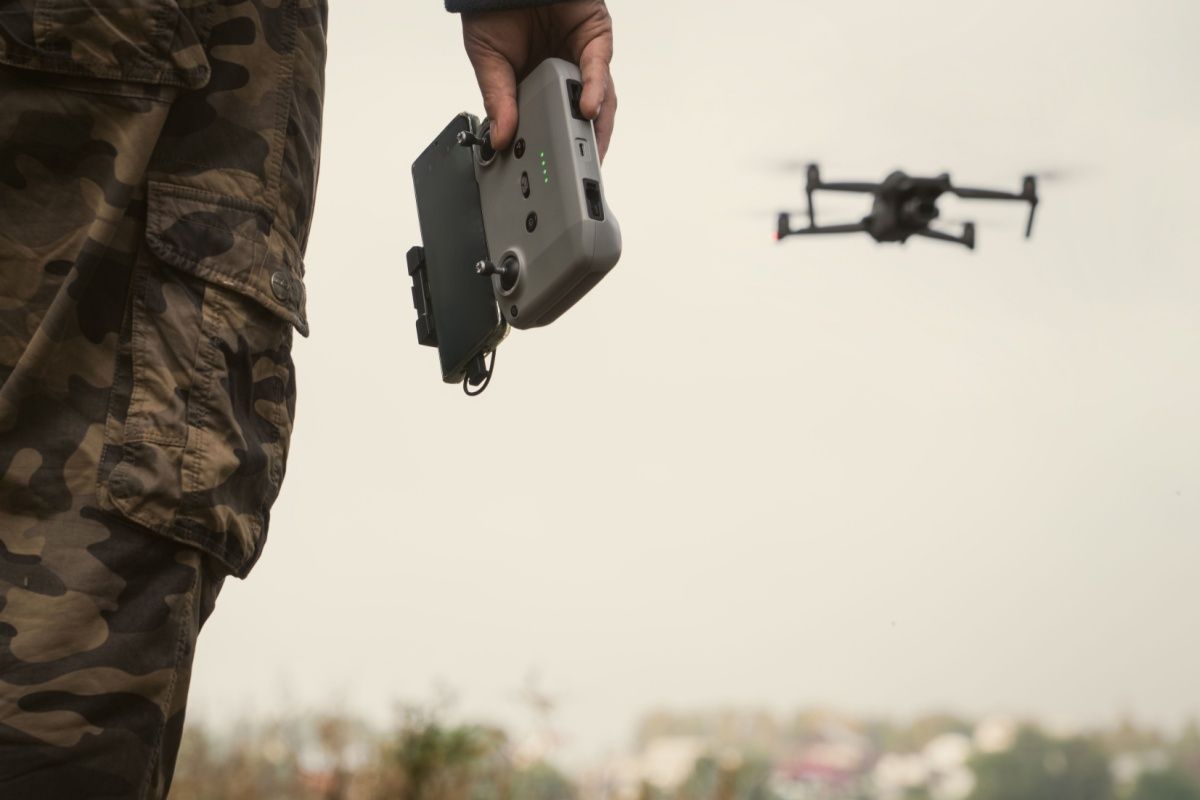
(158, 164)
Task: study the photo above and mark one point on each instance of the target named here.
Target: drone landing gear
(967, 238)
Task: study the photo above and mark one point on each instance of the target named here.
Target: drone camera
(921, 210)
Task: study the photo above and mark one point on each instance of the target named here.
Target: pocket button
(284, 288)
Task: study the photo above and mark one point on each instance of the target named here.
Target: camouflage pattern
(99, 629)
(158, 164)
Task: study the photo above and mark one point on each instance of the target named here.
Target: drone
(904, 207)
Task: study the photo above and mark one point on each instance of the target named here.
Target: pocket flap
(230, 242)
(150, 41)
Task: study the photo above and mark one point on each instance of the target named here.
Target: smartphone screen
(465, 313)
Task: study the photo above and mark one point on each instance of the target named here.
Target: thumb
(498, 84)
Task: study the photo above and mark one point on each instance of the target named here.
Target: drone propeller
(770, 213)
(786, 164)
(1060, 174)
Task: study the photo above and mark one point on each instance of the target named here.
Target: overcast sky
(886, 479)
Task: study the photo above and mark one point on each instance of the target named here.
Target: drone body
(904, 207)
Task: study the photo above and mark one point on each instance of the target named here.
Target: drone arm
(1028, 194)
(858, 227)
(864, 188)
(985, 194)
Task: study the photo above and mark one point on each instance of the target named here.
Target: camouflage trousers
(98, 615)
(157, 174)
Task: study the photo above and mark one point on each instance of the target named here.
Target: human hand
(505, 46)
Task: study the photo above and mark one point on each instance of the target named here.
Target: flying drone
(904, 206)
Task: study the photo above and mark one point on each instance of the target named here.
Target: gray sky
(824, 472)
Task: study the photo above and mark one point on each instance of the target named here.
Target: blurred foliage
(332, 758)
(1170, 784)
(747, 756)
(911, 737)
(1040, 767)
(1186, 752)
(746, 728)
(738, 779)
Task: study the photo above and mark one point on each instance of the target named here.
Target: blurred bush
(334, 758)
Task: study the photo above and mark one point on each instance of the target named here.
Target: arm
(506, 39)
(458, 6)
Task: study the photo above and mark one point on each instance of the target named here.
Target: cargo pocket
(196, 449)
(156, 42)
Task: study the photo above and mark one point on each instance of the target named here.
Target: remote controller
(532, 221)
(551, 236)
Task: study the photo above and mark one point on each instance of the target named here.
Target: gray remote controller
(551, 235)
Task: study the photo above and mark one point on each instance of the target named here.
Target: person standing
(158, 170)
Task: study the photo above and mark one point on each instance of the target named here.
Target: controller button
(525, 184)
(531, 222)
(519, 148)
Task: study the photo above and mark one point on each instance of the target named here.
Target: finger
(594, 65)
(605, 121)
(498, 84)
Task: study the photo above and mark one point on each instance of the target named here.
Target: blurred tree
(888, 736)
(648, 791)
(1130, 737)
(431, 761)
(703, 781)
(752, 780)
(542, 782)
(1187, 750)
(923, 730)
(1168, 784)
(738, 779)
(917, 793)
(1038, 767)
(333, 757)
(253, 764)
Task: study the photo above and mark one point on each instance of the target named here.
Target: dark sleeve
(493, 5)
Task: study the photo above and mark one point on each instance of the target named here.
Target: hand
(505, 46)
